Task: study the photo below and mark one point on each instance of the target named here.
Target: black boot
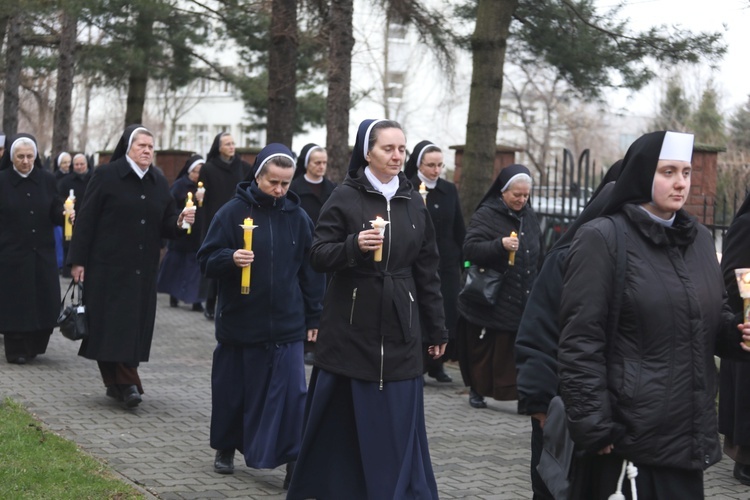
(439, 374)
(289, 474)
(173, 302)
(224, 462)
(130, 396)
(476, 400)
(197, 307)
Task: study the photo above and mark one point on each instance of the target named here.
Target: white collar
(427, 182)
(26, 174)
(389, 189)
(312, 181)
(136, 168)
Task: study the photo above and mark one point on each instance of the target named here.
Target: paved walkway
(162, 446)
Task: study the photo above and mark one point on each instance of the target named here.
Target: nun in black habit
(310, 183)
(645, 393)
(116, 244)
(734, 397)
(487, 334)
(30, 291)
(221, 173)
(180, 273)
(364, 433)
(424, 167)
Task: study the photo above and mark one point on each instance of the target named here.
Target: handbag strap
(72, 291)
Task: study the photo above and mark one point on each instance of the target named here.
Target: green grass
(37, 464)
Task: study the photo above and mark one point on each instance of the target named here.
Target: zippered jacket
(285, 293)
(372, 313)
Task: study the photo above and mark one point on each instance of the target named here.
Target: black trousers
(537, 443)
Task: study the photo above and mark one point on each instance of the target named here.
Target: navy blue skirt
(258, 402)
(361, 442)
(180, 276)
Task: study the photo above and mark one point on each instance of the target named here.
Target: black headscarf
(189, 163)
(123, 146)
(271, 150)
(6, 162)
(636, 179)
(502, 179)
(214, 151)
(612, 174)
(415, 158)
(304, 158)
(359, 153)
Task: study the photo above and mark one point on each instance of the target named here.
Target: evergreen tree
(707, 122)
(674, 109)
(739, 127)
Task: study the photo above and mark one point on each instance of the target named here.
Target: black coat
(190, 243)
(651, 389)
(117, 238)
(483, 246)
(220, 181)
(75, 182)
(311, 202)
(734, 397)
(370, 328)
(30, 291)
(445, 212)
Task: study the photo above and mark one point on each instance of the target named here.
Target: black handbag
(72, 319)
(482, 285)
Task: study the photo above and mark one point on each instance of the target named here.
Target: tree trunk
(488, 44)
(282, 73)
(64, 92)
(141, 60)
(3, 26)
(338, 101)
(13, 65)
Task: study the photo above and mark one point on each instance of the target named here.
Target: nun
(504, 224)
(180, 274)
(365, 431)
(644, 396)
(424, 168)
(221, 173)
(313, 189)
(61, 165)
(115, 251)
(30, 291)
(734, 399)
(258, 375)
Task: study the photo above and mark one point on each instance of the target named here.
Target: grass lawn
(35, 463)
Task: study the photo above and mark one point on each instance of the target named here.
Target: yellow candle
(200, 193)
(69, 204)
(248, 234)
(512, 255)
(423, 192)
(379, 224)
(188, 204)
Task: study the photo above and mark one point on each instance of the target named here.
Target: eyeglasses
(433, 165)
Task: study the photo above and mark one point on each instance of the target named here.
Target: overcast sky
(731, 17)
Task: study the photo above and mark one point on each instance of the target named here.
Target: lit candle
(379, 223)
(200, 193)
(69, 204)
(512, 255)
(743, 283)
(423, 192)
(248, 229)
(190, 206)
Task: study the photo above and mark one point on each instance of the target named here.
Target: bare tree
(65, 74)
(13, 66)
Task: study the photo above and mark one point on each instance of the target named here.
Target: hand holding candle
(512, 253)
(69, 204)
(743, 284)
(423, 192)
(247, 227)
(200, 193)
(188, 207)
(379, 223)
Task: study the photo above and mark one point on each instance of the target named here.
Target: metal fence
(566, 189)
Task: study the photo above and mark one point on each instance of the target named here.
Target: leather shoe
(476, 400)
(18, 360)
(440, 375)
(197, 307)
(209, 314)
(742, 473)
(289, 473)
(130, 396)
(224, 462)
(173, 302)
(114, 392)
